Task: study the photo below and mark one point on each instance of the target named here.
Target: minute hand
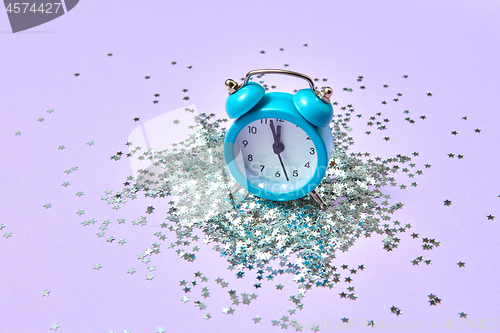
(278, 146)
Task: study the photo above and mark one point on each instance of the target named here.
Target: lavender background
(449, 48)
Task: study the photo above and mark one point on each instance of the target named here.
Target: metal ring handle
(279, 71)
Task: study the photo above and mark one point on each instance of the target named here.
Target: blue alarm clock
(279, 146)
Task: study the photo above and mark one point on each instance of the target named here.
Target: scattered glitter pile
(295, 237)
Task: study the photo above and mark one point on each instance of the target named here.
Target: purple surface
(449, 48)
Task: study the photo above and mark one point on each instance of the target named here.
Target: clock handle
(323, 95)
(279, 71)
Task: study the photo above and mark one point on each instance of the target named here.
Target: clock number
(308, 138)
(245, 143)
(262, 167)
(263, 121)
(280, 120)
(307, 165)
(277, 174)
(296, 172)
(252, 129)
(250, 157)
(312, 151)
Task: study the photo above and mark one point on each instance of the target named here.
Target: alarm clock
(279, 145)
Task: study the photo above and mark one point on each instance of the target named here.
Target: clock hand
(278, 146)
(283, 168)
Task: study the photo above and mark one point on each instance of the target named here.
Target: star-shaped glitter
(256, 320)
(447, 202)
(7, 234)
(463, 315)
(228, 310)
(147, 77)
(207, 316)
(161, 330)
(97, 266)
(45, 293)
(46, 206)
(396, 311)
(54, 327)
(490, 217)
(131, 271)
(77, 74)
(461, 264)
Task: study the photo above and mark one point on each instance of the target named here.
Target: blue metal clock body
(279, 146)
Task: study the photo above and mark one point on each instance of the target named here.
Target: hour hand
(278, 146)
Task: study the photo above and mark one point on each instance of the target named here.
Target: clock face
(275, 155)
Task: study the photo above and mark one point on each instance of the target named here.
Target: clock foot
(319, 200)
(235, 188)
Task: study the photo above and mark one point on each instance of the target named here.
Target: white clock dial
(280, 162)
